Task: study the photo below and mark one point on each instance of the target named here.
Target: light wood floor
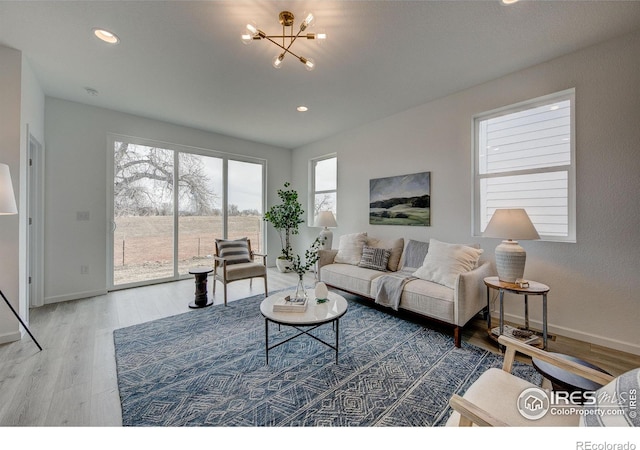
(72, 382)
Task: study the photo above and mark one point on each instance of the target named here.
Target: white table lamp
(327, 220)
(510, 224)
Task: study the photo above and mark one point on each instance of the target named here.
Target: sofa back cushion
(350, 248)
(375, 258)
(414, 255)
(395, 247)
(444, 262)
(234, 251)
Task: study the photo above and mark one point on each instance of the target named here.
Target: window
(171, 202)
(324, 185)
(524, 157)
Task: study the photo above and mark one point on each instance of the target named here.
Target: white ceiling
(183, 61)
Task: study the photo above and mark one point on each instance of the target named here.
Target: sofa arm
(326, 257)
(470, 295)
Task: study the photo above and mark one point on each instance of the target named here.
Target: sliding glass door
(170, 204)
(142, 213)
(200, 218)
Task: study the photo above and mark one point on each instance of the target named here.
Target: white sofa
(454, 305)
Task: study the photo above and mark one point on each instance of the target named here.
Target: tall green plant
(285, 218)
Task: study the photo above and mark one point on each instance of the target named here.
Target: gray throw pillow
(374, 258)
(414, 254)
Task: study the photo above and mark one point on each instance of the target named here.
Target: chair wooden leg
(225, 293)
(213, 289)
(266, 291)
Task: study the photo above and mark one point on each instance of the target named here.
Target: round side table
(201, 297)
(532, 288)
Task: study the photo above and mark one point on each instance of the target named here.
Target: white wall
(10, 80)
(76, 168)
(595, 283)
(32, 122)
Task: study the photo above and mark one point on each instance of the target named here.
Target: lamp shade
(510, 224)
(7, 199)
(325, 219)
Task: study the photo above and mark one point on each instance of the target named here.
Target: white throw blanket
(389, 289)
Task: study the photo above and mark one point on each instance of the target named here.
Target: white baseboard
(74, 296)
(10, 337)
(627, 347)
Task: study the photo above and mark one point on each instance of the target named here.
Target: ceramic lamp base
(510, 261)
(326, 239)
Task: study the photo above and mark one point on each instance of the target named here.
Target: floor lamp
(8, 207)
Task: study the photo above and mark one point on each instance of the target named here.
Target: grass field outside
(143, 245)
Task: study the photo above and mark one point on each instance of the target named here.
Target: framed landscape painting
(401, 200)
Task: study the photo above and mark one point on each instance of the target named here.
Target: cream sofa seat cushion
(241, 271)
(497, 392)
(428, 298)
(350, 278)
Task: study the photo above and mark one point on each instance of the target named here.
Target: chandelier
(286, 18)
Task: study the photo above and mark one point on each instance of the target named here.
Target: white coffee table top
(314, 314)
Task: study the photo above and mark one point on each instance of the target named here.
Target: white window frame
(568, 94)
(312, 186)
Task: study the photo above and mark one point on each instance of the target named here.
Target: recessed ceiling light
(302, 108)
(106, 36)
(508, 2)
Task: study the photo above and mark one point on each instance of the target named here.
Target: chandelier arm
(286, 49)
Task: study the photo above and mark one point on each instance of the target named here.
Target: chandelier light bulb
(321, 36)
(308, 21)
(277, 60)
(246, 37)
(309, 63)
(252, 29)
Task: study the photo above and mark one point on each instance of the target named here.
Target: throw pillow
(614, 407)
(394, 245)
(414, 255)
(374, 258)
(445, 262)
(350, 248)
(234, 251)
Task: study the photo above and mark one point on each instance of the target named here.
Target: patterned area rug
(207, 367)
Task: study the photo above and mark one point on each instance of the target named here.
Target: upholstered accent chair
(492, 400)
(234, 261)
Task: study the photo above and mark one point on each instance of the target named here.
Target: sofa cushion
(414, 255)
(504, 407)
(350, 248)
(444, 262)
(349, 278)
(374, 258)
(395, 245)
(234, 251)
(429, 299)
(613, 408)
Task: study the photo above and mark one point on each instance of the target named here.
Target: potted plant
(311, 256)
(285, 218)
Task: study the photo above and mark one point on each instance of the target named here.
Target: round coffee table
(315, 315)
